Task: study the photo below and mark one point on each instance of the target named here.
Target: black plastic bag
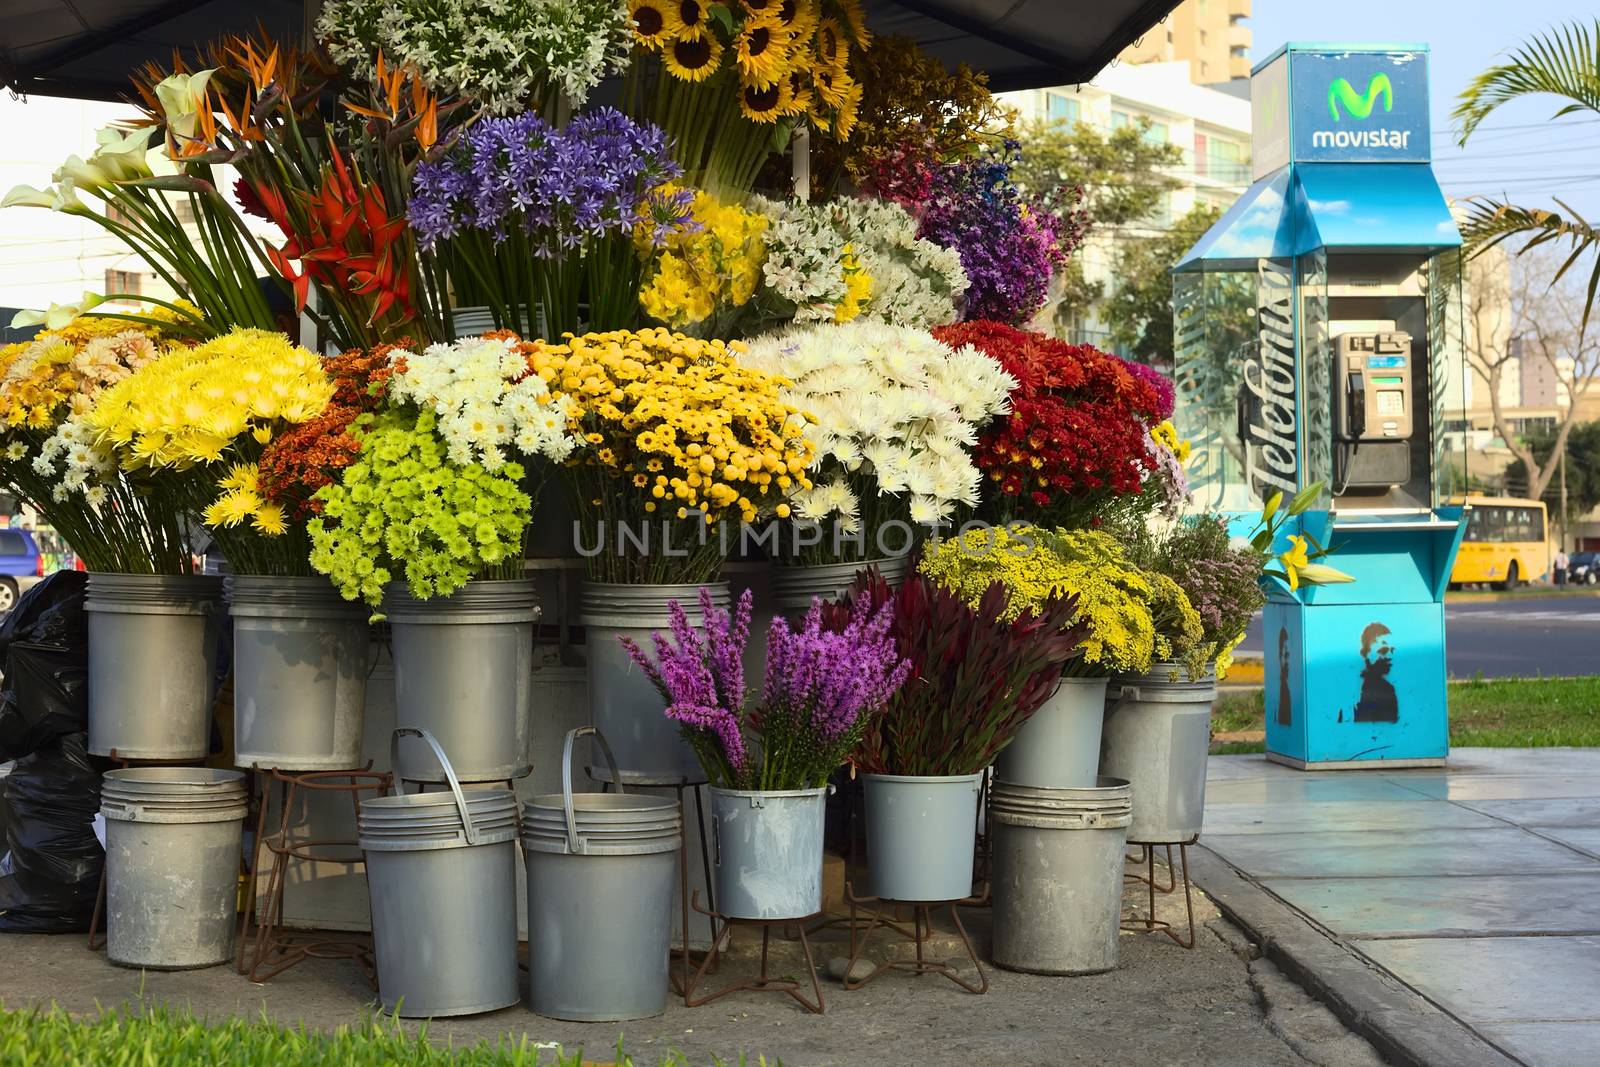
(50, 869)
(45, 655)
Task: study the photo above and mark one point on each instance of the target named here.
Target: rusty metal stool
(265, 949)
(921, 930)
(762, 983)
(1149, 924)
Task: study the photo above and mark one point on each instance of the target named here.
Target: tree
(1514, 313)
(1139, 312)
(1583, 468)
(1564, 63)
(1117, 171)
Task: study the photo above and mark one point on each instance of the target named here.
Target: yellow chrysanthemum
(241, 476)
(269, 519)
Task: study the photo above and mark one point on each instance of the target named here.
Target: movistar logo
(1359, 105)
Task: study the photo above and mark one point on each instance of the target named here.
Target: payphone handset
(1372, 387)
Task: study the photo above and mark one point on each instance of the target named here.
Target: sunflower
(857, 20)
(691, 14)
(761, 51)
(764, 104)
(833, 86)
(655, 22)
(799, 17)
(693, 56)
(799, 93)
(829, 44)
(848, 110)
(756, 8)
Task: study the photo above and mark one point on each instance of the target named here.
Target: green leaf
(722, 16)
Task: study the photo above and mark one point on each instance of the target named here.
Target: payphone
(1372, 410)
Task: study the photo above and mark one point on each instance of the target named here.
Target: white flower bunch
(506, 53)
(914, 281)
(486, 399)
(75, 456)
(105, 361)
(806, 263)
(890, 402)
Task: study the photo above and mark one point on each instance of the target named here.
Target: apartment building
(1208, 35)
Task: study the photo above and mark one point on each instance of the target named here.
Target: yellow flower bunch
(242, 500)
(699, 269)
(790, 57)
(1180, 635)
(1036, 565)
(678, 422)
(1165, 434)
(189, 406)
(857, 286)
(40, 378)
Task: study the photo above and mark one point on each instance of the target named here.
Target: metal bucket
(299, 674)
(173, 840)
(1057, 876)
(623, 705)
(1059, 747)
(794, 587)
(463, 671)
(601, 871)
(471, 321)
(1157, 736)
(442, 877)
(152, 663)
(767, 852)
(921, 832)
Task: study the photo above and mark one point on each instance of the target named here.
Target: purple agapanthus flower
(600, 174)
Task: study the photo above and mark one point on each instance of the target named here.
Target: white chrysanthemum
(890, 402)
(486, 400)
(16, 450)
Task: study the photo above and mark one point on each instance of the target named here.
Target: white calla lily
(57, 315)
(121, 153)
(28, 196)
(180, 97)
(82, 174)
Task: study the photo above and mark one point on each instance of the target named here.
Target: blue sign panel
(1359, 107)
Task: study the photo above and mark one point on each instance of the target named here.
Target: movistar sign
(1340, 91)
(1358, 106)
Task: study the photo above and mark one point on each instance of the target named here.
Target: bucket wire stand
(763, 982)
(265, 948)
(97, 936)
(680, 977)
(918, 935)
(1148, 923)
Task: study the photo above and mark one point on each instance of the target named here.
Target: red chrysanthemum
(1079, 426)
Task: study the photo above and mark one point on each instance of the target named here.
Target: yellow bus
(1504, 544)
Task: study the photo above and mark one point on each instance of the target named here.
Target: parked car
(1583, 568)
(21, 565)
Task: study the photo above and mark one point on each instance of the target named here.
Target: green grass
(165, 1037)
(1488, 713)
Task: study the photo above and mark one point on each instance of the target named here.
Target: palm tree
(1563, 62)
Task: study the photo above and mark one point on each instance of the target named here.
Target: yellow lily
(1294, 559)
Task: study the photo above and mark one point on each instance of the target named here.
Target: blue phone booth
(1318, 337)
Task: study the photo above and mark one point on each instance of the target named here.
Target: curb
(1403, 1026)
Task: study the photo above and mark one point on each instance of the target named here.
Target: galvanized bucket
(152, 664)
(299, 674)
(1057, 876)
(471, 321)
(1059, 747)
(173, 841)
(623, 705)
(921, 832)
(767, 852)
(1157, 736)
(601, 871)
(794, 587)
(442, 876)
(463, 671)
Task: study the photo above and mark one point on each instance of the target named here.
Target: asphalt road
(1524, 636)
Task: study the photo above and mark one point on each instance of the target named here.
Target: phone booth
(1318, 337)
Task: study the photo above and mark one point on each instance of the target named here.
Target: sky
(1519, 152)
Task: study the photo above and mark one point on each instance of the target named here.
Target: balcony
(1239, 37)
(1239, 9)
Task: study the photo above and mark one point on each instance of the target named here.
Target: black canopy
(88, 48)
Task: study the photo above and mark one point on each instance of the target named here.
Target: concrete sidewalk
(1451, 915)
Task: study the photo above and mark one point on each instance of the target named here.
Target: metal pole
(801, 171)
(1563, 463)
